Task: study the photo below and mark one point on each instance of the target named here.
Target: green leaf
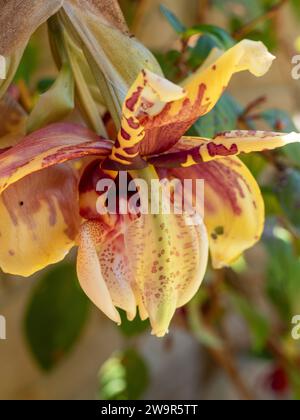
(272, 205)
(124, 376)
(283, 273)
(55, 316)
(168, 62)
(116, 64)
(28, 64)
(201, 50)
(222, 38)
(223, 117)
(257, 323)
(296, 7)
(281, 121)
(134, 327)
(203, 333)
(173, 20)
(288, 192)
(88, 96)
(56, 103)
(255, 163)
(44, 84)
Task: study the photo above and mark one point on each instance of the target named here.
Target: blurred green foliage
(58, 310)
(124, 376)
(55, 316)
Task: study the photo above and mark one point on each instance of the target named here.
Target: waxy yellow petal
(157, 113)
(103, 270)
(54, 144)
(168, 257)
(209, 83)
(146, 98)
(152, 261)
(39, 220)
(190, 151)
(234, 208)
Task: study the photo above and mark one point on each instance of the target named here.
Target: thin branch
(249, 27)
(215, 345)
(225, 360)
(251, 106)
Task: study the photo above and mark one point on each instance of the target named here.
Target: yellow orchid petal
(146, 98)
(168, 256)
(207, 85)
(157, 113)
(234, 208)
(190, 151)
(155, 262)
(39, 220)
(236, 223)
(103, 270)
(50, 146)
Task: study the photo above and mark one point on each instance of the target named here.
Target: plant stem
(219, 351)
(249, 27)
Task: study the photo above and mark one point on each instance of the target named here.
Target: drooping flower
(153, 262)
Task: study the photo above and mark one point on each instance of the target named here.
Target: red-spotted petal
(190, 151)
(234, 208)
(119, 268)
(103, 269)
(202, 91)
(146, 98)
(39, 220)
(47, 147)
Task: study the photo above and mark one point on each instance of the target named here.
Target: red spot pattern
(225, 181)
(133, 124)
(221, 150)
(163, 130)
(132, 101)
(124, 134)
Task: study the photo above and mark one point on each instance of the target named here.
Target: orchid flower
(155, 263)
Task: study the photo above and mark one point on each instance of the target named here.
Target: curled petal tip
(255, 57)
(114, 316)
(131, 315)
(166, 90)
(291, 138)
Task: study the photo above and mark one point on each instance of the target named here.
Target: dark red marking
(220, 150)
(132, 123)
(131, 102)
(223, 180)
(124, 134)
